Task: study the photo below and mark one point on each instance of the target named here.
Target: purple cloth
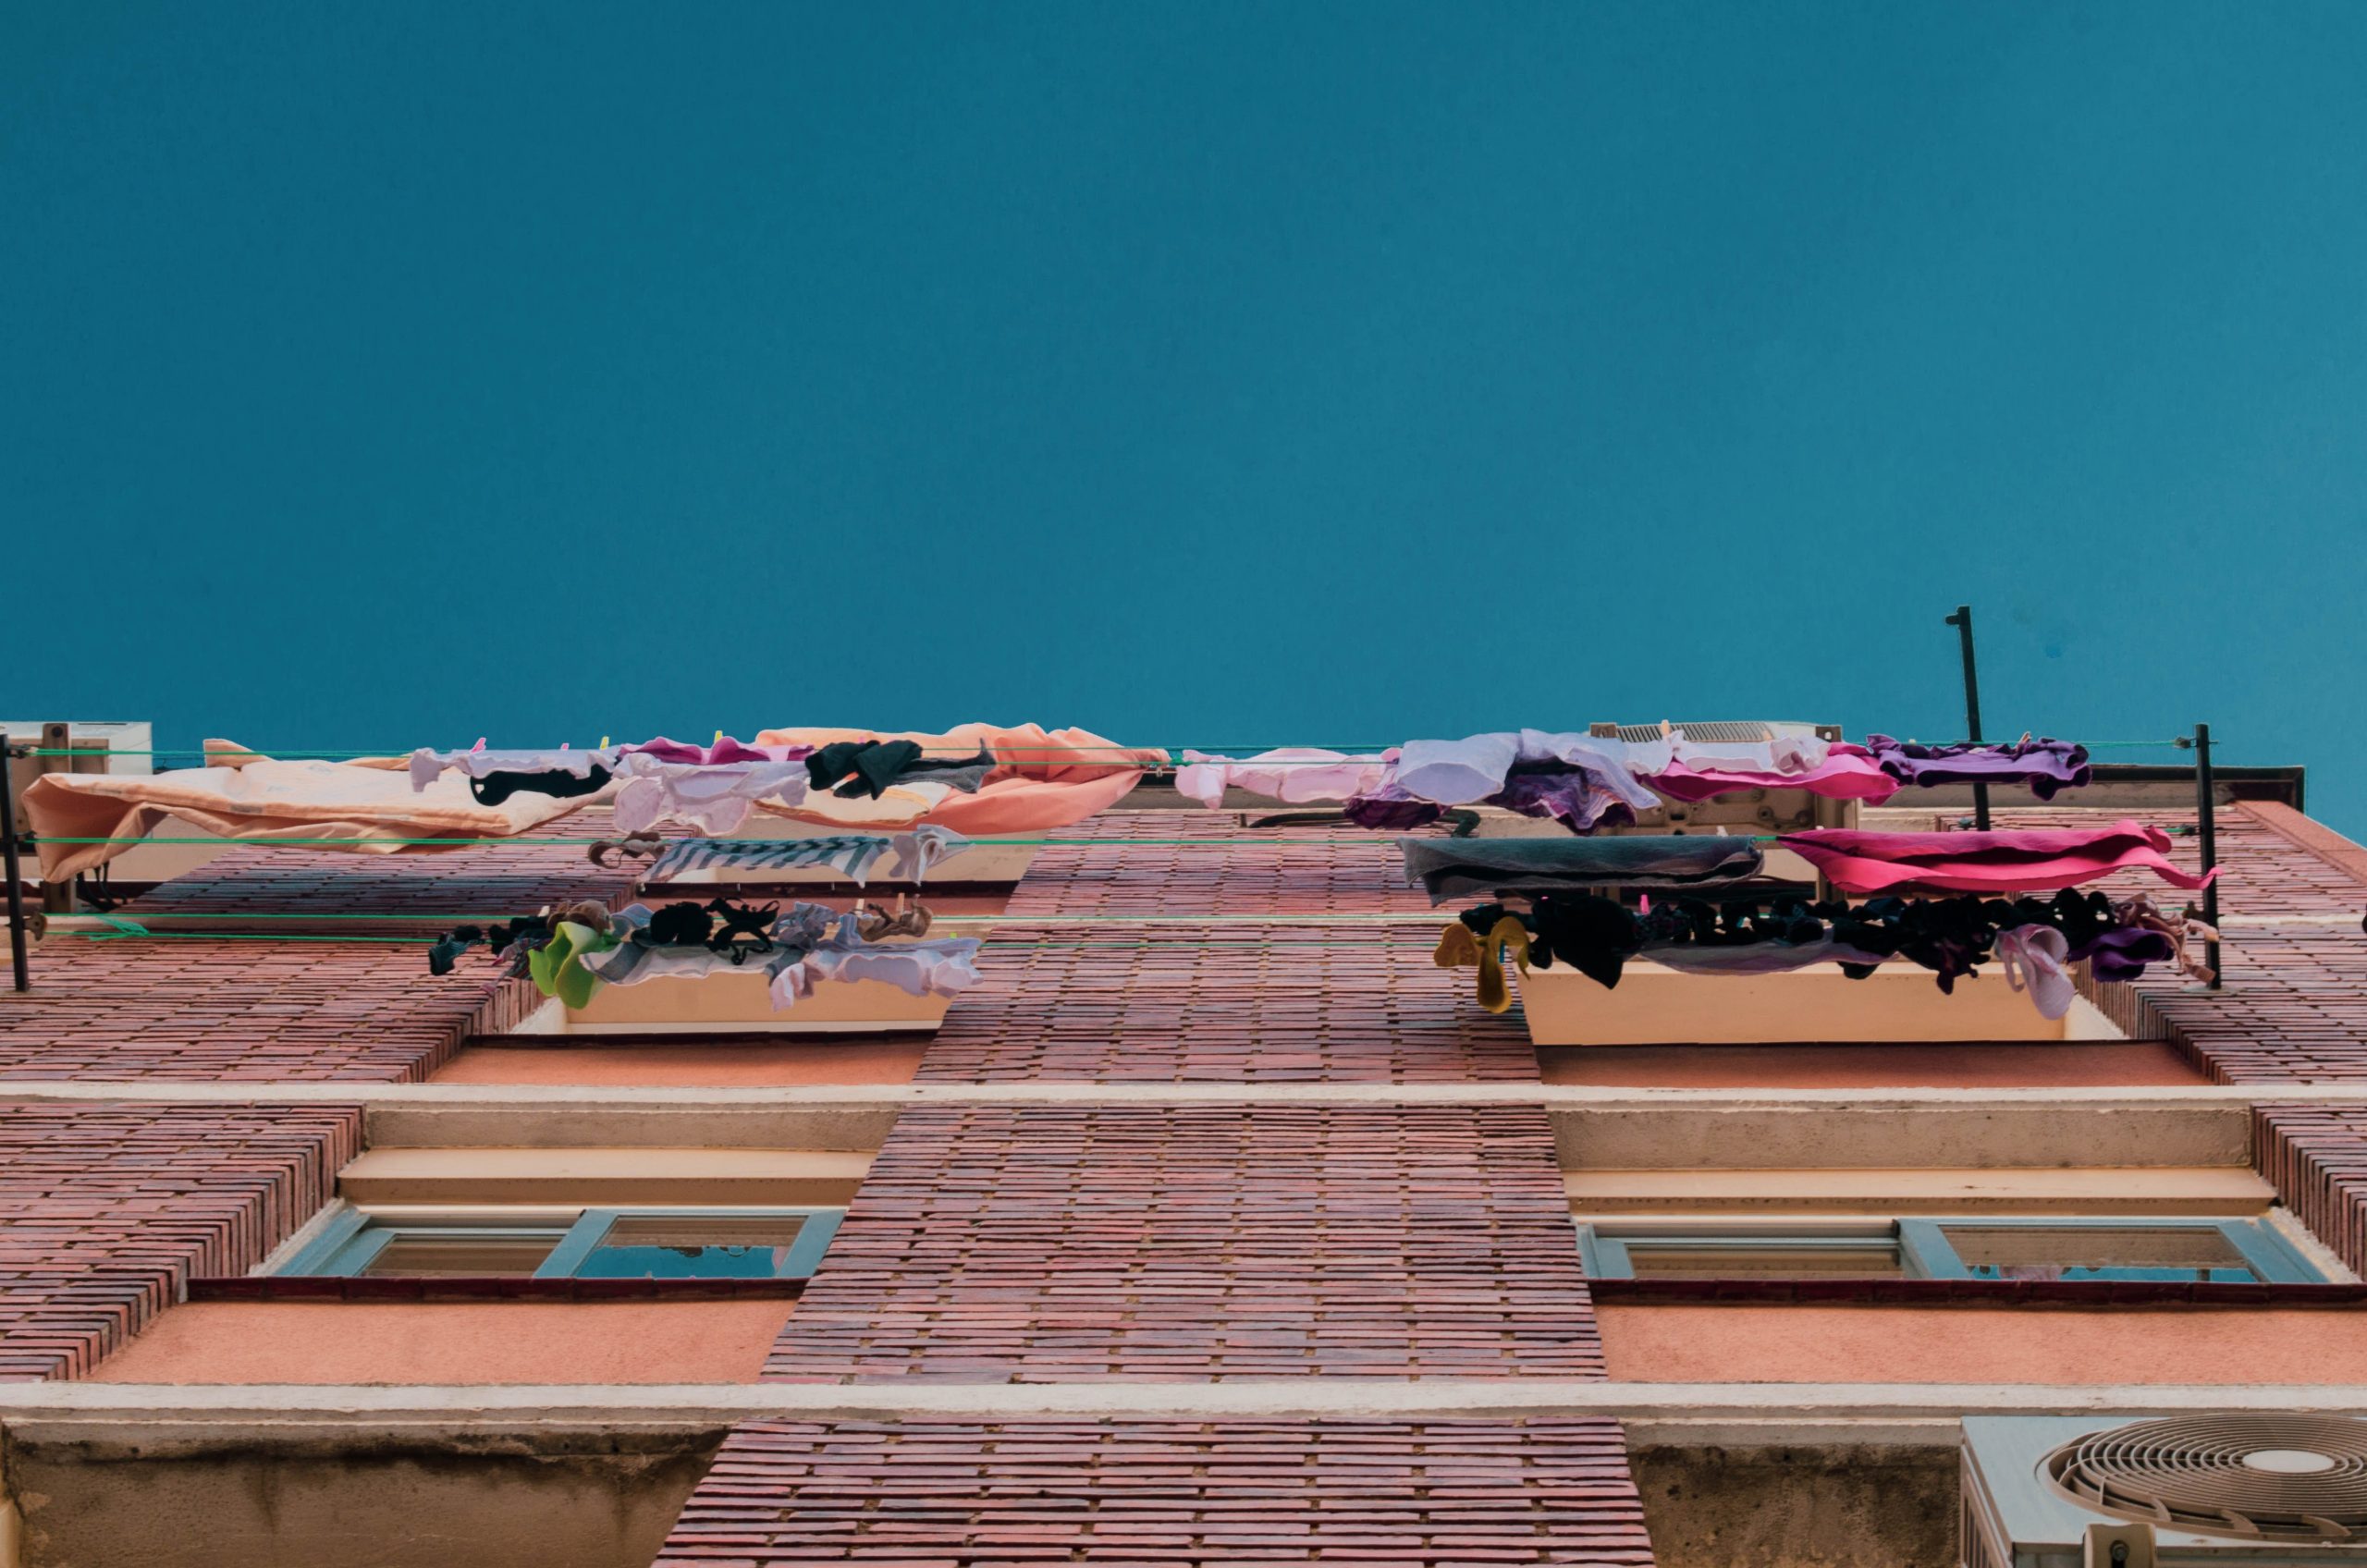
(2044, 765)
(2123, 952)
(725, 750)
(1390, 810)
(1569, 794)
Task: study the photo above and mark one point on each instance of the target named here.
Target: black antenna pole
(14, 868)
(1962, 621)
(2206, 811)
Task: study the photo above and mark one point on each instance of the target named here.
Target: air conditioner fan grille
(2259, 1477)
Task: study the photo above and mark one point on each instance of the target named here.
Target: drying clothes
(1453, 868)
(714, 798)
(966, 774)
(558, 966)
(446, 949)
(868, 766)
(1042, 779)
(367, 807)
(907, 920)
(806, 944)
(492, 788)
(848, 855)
(1579, 778)
(1294, 775)
(427, 765)
(851, 855)
(2037, 959)
(2025, 860)
(1460, 948)
(2123, 952)
(1834, 770)
(2176, 929)
(943, 967)
(725, 750)
(2045, 765)
(1593, 935)
(1756, 958)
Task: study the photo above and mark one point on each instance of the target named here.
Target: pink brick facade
(1369, 1493)
(997, 1244)
(106, 1209)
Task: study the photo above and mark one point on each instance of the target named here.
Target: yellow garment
(1460, 948)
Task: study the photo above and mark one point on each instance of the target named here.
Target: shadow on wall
(1835, 1506)
(586, 1500)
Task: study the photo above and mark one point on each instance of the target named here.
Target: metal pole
(1962, 621)
(2207, 814)
(15, 871)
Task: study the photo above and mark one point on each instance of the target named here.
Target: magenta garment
(1847, 773)
(2045, 765)
(2025, 862)
(725, 750)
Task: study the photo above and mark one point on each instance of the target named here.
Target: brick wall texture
(1464, 1493)
(1021, 1245)
(106, 1209)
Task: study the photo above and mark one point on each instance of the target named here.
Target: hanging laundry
(2176, 929)
(2037, 959)
(714, 798)
(2045, 765)
(579, 932)
(1042, 779)
(365, 807)
(2009, 860)
(1460, 948)
(540, 764)
(868, 766)
(1294, 775)
(1950, 937)
(492, 788)
(1835, 770)
(1581, 779)
(725, 750)
(907, 920)
(1453, 868)
(803, 946)
(851, 855)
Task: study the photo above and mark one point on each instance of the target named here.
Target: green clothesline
(297, 753)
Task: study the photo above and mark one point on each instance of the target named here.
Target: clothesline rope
(303, 753)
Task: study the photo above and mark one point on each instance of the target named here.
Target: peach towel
(1042, 778)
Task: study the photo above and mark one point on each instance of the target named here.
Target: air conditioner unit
(2211, 1491)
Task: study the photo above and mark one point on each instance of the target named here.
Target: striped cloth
(850, 854)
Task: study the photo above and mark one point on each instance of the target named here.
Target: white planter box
(1899, 1002)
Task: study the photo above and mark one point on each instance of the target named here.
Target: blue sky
(1230, 372)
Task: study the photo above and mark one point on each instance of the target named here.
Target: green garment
(558, 965)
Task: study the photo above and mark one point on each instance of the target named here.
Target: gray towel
(1453, 868)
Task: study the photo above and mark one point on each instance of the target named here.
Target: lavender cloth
(2123, 952)
(2045, 765)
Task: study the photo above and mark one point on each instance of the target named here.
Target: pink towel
(1847, 773)
(2026, 862)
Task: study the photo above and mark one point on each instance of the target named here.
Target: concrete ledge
(151, 1414)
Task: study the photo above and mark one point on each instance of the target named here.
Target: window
(1985, 1247)
(593, 1244)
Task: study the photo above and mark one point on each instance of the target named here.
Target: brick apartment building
(1216, 1224)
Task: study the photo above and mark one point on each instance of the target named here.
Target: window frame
(2272, 1259)
(353, 1237)
(1923, 1249)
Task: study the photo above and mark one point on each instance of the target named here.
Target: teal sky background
(379, 375)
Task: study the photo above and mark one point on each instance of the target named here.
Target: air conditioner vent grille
(2258, 1478)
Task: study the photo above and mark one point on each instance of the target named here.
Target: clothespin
(718, 738)
(604, 742)
(480, 745)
